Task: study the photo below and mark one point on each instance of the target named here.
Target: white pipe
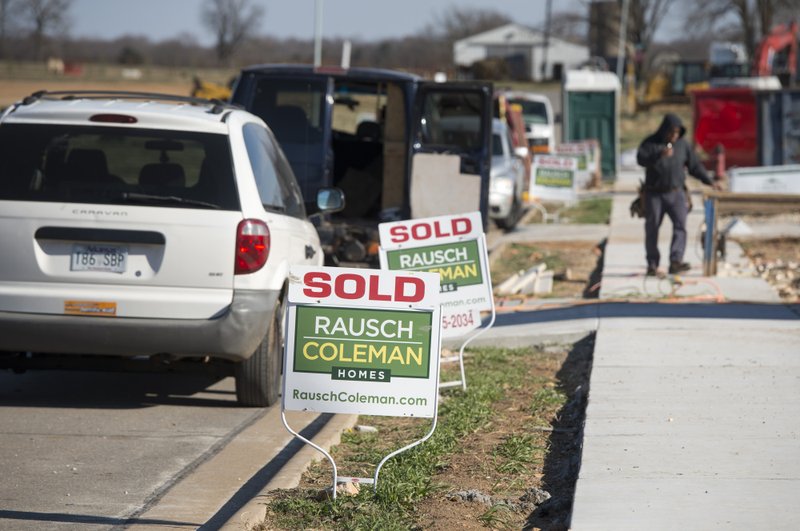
(623, 37)
(318, 32)
(346, 46)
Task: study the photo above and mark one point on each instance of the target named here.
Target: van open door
(451, 152)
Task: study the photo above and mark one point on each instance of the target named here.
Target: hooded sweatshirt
(667, 173)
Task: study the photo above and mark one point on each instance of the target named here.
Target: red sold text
(425, 230)
(350, 286)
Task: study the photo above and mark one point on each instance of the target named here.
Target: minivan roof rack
(217, 105)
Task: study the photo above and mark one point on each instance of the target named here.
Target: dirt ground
(577, 265)
(573, 263)
(475, 496)
(13, 90)
(778, 262)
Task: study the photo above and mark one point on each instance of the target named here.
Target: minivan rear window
(116, 165)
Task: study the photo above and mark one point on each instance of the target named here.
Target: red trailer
(727, 117)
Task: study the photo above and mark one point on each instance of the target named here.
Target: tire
(509, 222)
(258, 378)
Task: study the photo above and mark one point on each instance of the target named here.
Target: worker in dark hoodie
(667, 156)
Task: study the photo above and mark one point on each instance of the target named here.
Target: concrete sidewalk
(693, 419)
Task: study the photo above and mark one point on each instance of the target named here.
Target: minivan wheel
(514, 215)
(258, 378)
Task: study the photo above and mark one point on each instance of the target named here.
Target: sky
(352, 19)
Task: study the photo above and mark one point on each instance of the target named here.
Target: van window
(275, 181)
(497, 145)
(453, 120)
(87, 164)
(295, 111)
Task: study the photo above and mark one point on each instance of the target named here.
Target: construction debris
(534, 281)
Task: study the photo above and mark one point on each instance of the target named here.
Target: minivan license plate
(110, 258)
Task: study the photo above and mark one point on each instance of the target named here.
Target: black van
(399, 147)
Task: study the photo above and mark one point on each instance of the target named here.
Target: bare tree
(644, 19)
(4, 25)
(753, 18)
(232, 21)
(570, 26)
(457, 22)
(44, 17)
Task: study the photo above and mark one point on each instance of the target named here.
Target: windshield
(453, 120)
(114, 165)
(534, 112)
(497, 145)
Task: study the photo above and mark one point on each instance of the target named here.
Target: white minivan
(148, 227)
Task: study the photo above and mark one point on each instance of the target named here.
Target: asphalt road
(94, 449)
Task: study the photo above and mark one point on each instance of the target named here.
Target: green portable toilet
(590, 109)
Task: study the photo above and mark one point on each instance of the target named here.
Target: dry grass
(18, 80)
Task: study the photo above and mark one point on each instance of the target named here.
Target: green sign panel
(362, 344)
(554, 178)
(458, 264)
(582, 162)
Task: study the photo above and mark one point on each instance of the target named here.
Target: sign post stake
(463, 381)
(405, 448)
(546, 216)
(316, 447)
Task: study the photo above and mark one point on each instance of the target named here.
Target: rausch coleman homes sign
(362, 341)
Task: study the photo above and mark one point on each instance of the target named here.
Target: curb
(255, 510)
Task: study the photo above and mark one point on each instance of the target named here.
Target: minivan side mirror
(330, 199)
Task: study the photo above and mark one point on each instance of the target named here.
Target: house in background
(524, 51)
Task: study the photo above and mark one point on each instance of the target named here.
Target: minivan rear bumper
(232, 335)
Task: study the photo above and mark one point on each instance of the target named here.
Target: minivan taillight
(252, 246)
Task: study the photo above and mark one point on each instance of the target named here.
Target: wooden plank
(748, 203)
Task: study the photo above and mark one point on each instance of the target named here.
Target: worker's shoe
(651, 271)
(679, 267)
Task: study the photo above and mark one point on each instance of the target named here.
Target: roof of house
(510, 34)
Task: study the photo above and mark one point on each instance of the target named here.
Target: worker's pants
(673, 204)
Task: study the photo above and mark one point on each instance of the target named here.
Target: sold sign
(452, 246)
(362, 341)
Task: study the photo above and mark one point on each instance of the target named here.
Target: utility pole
(623, 39)
(317, 33)
(546, 39)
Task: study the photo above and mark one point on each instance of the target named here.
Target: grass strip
(592, 211)
(411, 476)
